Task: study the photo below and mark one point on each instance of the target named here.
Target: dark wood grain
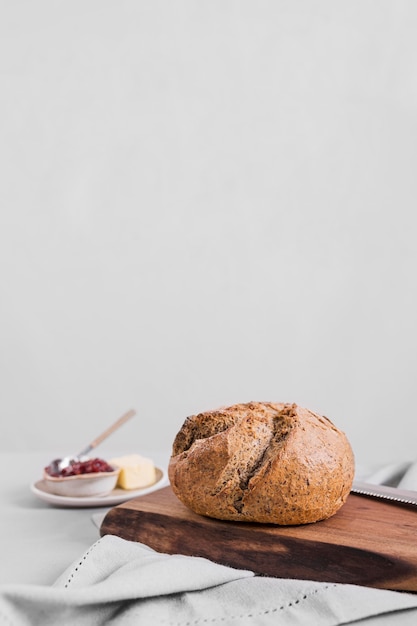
(368, 542)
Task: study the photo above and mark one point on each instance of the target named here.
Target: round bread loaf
(262, 462)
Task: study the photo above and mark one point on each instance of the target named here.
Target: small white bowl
(82, 485)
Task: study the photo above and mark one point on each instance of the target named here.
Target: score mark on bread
(262, 462)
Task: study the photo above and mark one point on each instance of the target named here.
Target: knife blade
(394, 494)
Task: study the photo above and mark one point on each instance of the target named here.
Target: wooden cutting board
(368, 542)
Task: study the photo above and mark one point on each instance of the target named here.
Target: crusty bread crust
(262, 462)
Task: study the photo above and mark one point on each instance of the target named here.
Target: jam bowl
(86, 478)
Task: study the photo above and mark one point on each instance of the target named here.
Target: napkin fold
(126, 583)
(408, 480)
(402, 475)
(391, 475)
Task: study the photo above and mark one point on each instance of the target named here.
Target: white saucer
(117, 496)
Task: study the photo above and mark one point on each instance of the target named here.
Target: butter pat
(135, 471)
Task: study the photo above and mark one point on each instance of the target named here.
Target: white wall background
(204, 203)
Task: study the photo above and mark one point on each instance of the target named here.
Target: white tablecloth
(56, 569)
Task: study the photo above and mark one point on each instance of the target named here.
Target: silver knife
(382, 491)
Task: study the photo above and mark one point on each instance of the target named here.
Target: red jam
(91, 466)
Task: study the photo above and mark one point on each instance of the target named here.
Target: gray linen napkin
(126, 583)
(394, 475)
(408, 480)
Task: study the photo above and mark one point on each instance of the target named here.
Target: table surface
(38, 541)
